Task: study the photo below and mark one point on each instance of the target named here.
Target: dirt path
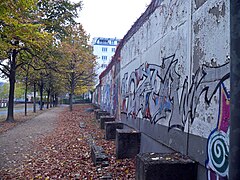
(16, 143)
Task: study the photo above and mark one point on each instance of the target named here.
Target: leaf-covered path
(16, 143)
(53, 146)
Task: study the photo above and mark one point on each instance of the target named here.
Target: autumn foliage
(38, 39)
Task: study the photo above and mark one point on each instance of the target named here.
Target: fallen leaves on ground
(65, 153)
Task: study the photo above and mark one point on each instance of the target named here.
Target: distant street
(16, 110)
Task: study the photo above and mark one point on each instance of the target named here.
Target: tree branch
(5, 66)
(5, 73)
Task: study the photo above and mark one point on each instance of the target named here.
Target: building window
(113, 49)
(104, 58)
(112, 41)
(104, 49)
(103, 41)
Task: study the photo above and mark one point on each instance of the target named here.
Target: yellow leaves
(38, 177)
(18, 20)
(11, 10)
(26, 4)
(80, 90)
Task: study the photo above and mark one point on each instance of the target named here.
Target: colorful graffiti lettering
(109, 92)
(153, 91)
(105, 102)
(218, 141)
(147, 90)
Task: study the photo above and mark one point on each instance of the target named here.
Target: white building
(104, 49)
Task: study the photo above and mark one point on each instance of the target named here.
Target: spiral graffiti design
(218, 151)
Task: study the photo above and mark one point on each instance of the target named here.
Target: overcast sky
(110, 18)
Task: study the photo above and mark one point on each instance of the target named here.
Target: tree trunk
(26, 88)
(71, 91)
(26, 96)
(51, 101)
(70, 102)
(91, 98)
(10, 117)
(34, 97)
(56, 100)
(48, 98)
(41, 94)
(12, 76)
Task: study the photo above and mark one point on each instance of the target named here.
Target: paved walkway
(16, 143)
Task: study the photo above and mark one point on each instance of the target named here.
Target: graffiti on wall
(105, 105)
(114, 92)
(218, 141)
(109, 93)
(115, 97)
(155, 92)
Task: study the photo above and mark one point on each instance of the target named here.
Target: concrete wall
(174, 81)
(107, 95)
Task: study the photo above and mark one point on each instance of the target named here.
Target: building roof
(104, 41)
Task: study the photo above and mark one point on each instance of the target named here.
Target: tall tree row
(19, 34)
(78, 61)
(33, 35)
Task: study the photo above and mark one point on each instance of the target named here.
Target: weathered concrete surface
(159, 166)
(127, 143)
(104, 119)
(110, 129)
(100, 113)
(98, 155)
(170, 79)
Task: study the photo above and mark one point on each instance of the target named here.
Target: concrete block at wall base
(98, 155)
(110, 129)
(127, 143)
(101, 113)
(104, 119)
(82, 125)
(159, 166)
(96, 112)
(95, 106)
